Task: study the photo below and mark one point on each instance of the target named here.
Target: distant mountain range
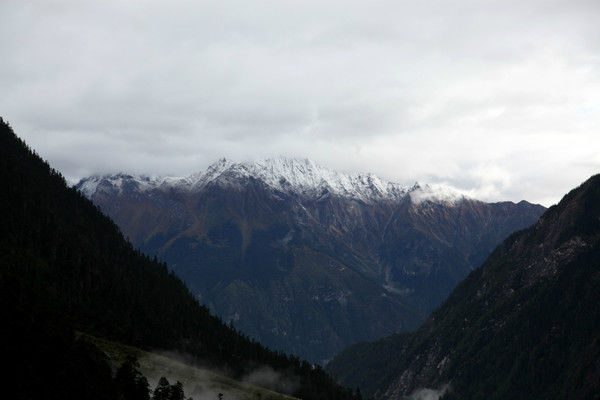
(525, 325)
(305, 259)
(300, 177)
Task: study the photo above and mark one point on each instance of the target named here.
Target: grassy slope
(153, 366)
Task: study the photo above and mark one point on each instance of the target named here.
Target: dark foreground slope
(526, 325)
(64, 266)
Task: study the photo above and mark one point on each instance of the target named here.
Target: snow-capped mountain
(288, 175)
(303, 258)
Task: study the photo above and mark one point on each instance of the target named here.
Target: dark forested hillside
(64, 266)
(526, 325)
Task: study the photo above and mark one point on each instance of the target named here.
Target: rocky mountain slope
(303, 258)
(526, 325)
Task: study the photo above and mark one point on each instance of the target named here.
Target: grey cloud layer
(498, 97)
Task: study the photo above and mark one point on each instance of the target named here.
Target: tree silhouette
(162, 390)
(177, 391)
(129, 381)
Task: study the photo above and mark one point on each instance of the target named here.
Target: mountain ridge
(269, 255)
(290, 175)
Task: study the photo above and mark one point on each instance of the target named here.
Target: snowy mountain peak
(289, 175)
(435, 193)
(301, 176)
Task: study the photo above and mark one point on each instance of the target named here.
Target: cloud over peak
(500, 98)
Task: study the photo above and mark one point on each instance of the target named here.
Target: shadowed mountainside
(64, 266)
(526, 325)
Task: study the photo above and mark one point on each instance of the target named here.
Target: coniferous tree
(177, 391)
(130, 382)
(162, 390)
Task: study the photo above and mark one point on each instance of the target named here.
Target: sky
(500, 99)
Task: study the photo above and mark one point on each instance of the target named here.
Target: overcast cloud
(500, 98)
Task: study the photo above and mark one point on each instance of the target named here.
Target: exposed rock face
(305, 259)
(524, 325)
